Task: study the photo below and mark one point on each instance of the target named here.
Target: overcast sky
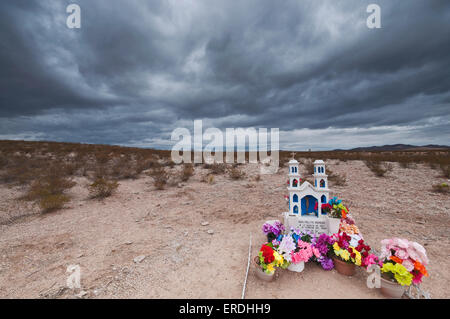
(138, 69)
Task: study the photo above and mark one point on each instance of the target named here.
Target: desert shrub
(3, 161)
(48, 191)
(187, 172)
(51, 203)
(102, 188)
(337, 179)
(160, 177)
(257, 178)
(208, 178)
(169, 163)
(441, 188)
(379, 168)
(445, 169)
(218, 168)
(235, 173)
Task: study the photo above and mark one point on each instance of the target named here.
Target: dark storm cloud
(138, 69)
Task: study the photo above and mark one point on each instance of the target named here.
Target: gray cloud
(138, 69)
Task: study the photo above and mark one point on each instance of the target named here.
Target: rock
(205, 223)
(80, 255)
(186, 233)
(210, 231)
(81, 294)
(139, 259)
(128, 242)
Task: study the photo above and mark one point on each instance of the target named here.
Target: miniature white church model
(305, 200)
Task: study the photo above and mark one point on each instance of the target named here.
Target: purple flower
(327, 263)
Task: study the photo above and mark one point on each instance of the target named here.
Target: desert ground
(191, 240)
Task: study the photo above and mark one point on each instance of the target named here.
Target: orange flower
(396, 259)
(344, 212)
(420, 268)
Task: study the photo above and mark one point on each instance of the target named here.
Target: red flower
(267, 253)
(353, 255)
(361, 242)
(365, 254)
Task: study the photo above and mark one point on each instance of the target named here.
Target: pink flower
(372, 259)
(417, 279)
(316, 252)
(402, 254)
(409, 265)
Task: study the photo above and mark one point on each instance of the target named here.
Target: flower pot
(344, 268)
(333, 225)
(297, 267)
(391, 289)
(260, 273)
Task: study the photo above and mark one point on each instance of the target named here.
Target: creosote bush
(235, 173)
(160, 177)
(217, 168)
(187, 172)
(379, 168)
(102, 188)
(208, 178)
(48, 191)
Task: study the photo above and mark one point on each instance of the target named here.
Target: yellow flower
(345, 254)
(336, 246)
(278, 258)
(357, 257)
(401, 274)
(270, 269)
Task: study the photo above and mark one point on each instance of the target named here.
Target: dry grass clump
(48, 191)
(235, 173)
(379, 168)
(187, 172)
(208, 178)
(102, 188)
(160, 177)
(441, 188)
(445, 169)
(216, 168)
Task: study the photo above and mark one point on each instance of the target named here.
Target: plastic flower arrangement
(345, 252)
(269, 258)
(347, 228)
(403, 261)
(338, 210)
(324, 246)
(326, 208)
(273, 230)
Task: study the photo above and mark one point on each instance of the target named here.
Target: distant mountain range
(399, 147)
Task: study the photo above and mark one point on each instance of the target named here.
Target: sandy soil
(182, 260)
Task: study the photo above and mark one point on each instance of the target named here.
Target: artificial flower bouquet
(338, 210)
(344, 252)
(326, 208)
(303, 248)
(324, 246)
(269, 259)
(348, 226)
(273, 229)
(403, 261)
(353, 250)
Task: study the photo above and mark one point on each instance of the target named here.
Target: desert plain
(191, 239)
